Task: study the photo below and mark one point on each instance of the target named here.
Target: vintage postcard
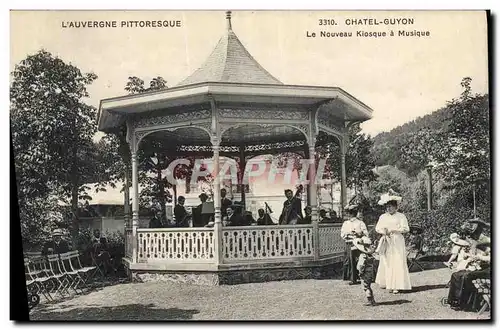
(252, 165)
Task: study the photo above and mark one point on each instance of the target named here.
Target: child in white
(458, 252)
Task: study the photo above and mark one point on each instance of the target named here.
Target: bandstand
(232, 107)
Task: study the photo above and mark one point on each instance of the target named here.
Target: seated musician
(333, 217)
(351, 229)
(224, 203)
(233, 218)
(180, 213)
(292, 209)
(248, 218)
(156, 220)
(201, 219)
(307, 219)
(323, 218)
(264, 218)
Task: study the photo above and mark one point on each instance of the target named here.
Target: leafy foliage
(38, 216)
(421, 149)
(438, 225)
(388, 147)
(390, 177)
(52, 131)
(135, 85)
(466, 159)
(359, 161)
(455, 139)
(115, 240)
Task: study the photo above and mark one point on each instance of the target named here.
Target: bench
(483, 287)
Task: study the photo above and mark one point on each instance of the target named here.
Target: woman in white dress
(392, 273)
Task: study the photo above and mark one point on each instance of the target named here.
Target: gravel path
(288, 300)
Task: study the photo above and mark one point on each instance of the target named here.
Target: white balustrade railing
(182, 244)
(330, 242)
(267, 242)
(128, 242)
(237, 244)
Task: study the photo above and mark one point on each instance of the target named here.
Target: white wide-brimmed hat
(390, 196)
(455, 239)
(351, 207)
(479, 222)
(363, 244)
(57, 232)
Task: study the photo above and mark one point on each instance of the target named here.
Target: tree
(389, 177)
(153, 162)
(359, 161)
(467, 156)
(117, 157)
(420, 149)
(408, 146)
(52, 130)
(135, 85)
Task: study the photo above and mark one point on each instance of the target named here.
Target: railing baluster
(258, 243)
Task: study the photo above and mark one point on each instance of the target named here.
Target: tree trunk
(124, 151)
(75, 223)
(188, 183)
(161, 192)
(174, 189)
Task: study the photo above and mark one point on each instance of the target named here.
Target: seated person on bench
(100, 252)
(56, 245)
(462, 294)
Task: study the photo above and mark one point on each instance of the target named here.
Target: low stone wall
(198, 278)
(233, 277)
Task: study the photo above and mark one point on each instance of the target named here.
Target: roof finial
(228, 17)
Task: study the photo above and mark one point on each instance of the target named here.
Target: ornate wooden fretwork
(173, 118)
(303, 128)
(264, 114)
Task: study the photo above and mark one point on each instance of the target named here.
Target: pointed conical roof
(230, 62)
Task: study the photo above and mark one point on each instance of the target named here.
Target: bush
(38, 218)
(438, 225)
(116, 245)
(83, 244)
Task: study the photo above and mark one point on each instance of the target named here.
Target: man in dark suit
(201, 219)
(224, 203)
(180, 213)
(234, 219)
(156, 221)
(333, 217)
(57, 245)
(264, 219)
(307, 219)
(323, 218)
(292, 209)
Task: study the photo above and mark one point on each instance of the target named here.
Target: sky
(400, 78)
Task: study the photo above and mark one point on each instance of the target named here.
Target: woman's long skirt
(462, 293)
(350, 271)
(393, 271)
